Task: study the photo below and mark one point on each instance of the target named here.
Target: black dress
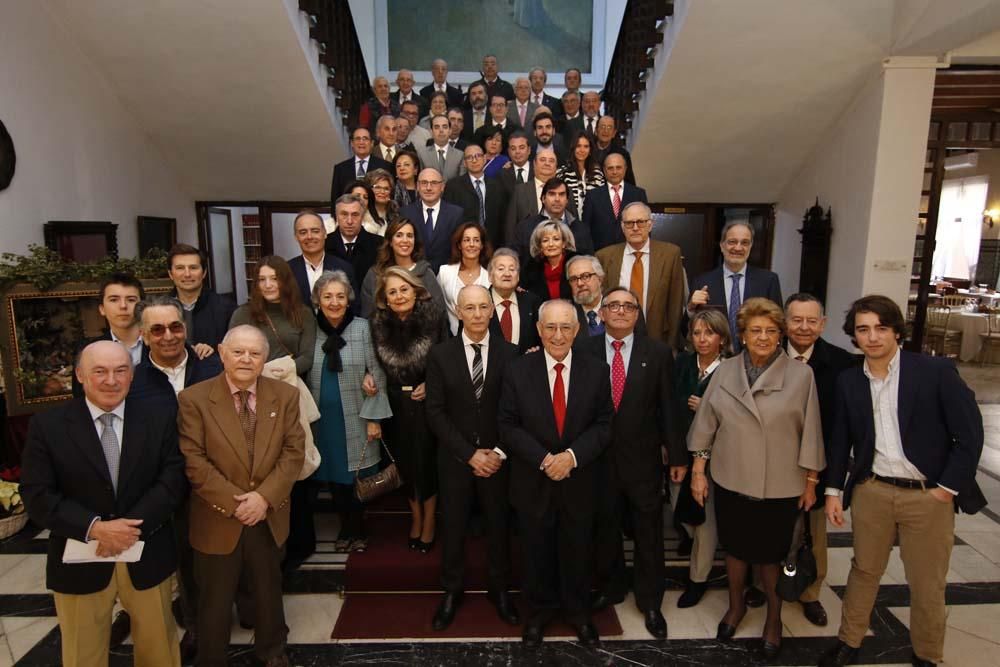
(402, 347)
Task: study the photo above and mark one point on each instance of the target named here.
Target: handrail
(638, 38)
(340, 52)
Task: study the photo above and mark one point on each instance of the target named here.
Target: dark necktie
(520, 174)
(349, 247)
(734, 308)
(109, 443)
(248, 422)
(477, 369)
(482, 202)
(361, 168)
(441, 161)
(429, 226)
(596, 328)
(559, 399)
(590, 125)
(507, 321)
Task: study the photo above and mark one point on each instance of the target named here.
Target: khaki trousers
(926, 529)
(705, 536)
(817, 526)
(85, 623)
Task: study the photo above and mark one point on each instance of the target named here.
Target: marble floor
(29, 634)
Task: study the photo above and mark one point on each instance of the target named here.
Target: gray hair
(383, 119)
(535, 245)
(551, 302)
(739, 222)
(638, 204)
(504, 252)
(247, 329)
(156, 301)
(622, 288)
(594, 263)
(347, 200)
(804, 297)
(536, 68)
(328, 277)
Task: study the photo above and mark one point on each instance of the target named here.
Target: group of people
(545, 364)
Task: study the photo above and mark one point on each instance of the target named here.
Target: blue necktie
(361, 168)
(429, 226)
(596, 328)
(482, 202)
(734, 308)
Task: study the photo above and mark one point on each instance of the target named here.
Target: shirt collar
(497, 299)
(137, 343)
(793, 353)
(96, 412)
(644, 249)
(234, 389)
(315, 267)
(167, 369)
(608, 338)
(550, 362)
(485, 342)
(893, 367)
(726, 272)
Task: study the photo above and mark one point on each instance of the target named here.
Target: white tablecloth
(971, 325)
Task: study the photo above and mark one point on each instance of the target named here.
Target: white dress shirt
(515, 314)
(118, 424)
(386, 149)
(625, 277)
(727, 282)
(175, 374)
(550, 365)
(609, 350)
(436, 207)
(359, 160)
(313, 271)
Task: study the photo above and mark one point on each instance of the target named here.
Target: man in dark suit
(603, 206)
(434, 218)
(171, 366)
(521, 109)
(464, 376)
(556, 205)
(644, 427)
(916, 435)
(476, 114)
(405, 92)
(244, 448)
(555, 418)
(357, 166)
(520, 168)
(106, 470)
(538, 78)
(498, 118)
(545, 137)
(385, 131)
(717, 286)
(526, 198)
(805, 321)
(590, 116)
(439, 72)
(570, 112)
(491, 79)
(481, 199)
(585, 276)
(310, 232)
(206, 314)
(608, 142)
(456, 127)
(351, 242)
(515, 313)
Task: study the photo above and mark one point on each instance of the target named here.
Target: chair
(991, 337)
(954, 301)
(938, 339)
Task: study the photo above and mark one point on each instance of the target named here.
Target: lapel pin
(273, 414)
(644, 364)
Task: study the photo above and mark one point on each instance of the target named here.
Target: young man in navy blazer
(916, 435)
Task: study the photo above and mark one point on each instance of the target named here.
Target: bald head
(475, 309)
(430, 185)
(105, 371)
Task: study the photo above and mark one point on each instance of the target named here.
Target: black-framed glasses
(635, 224)
(619, 307)
(581, 278)
(158, 330)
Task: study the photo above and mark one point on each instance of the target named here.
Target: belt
(904, 483)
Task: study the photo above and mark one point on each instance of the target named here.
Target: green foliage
(44, 268)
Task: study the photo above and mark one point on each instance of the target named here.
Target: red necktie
(559, 399)
(506, 322)
(617, 373)
(616, 201)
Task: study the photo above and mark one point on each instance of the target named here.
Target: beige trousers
(926, 529)
(705, 536)
(817, 526)
(85, 623)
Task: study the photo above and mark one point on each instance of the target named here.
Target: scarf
(334, 339)
(553, 274)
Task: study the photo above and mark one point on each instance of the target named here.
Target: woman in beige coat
(759, 423)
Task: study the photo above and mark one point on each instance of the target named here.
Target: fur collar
(402, 345)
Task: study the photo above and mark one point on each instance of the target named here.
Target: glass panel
(981, 131)
(956, 131)
(687, 230)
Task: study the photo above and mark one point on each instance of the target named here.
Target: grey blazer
(454, 164)
(762, 440)
(357, 357)
(422, 270)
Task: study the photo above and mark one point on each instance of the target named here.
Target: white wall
(80, 155)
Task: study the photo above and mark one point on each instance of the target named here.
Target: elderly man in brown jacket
(244, 447)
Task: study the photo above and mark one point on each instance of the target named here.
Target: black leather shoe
(838, 655)
(754, 597)
(815, 613)
(601, 601)
(692, 594)
(655, 623)
(770, 651)
(425, 547)
(725, 632)
(505, 608)
(445, 613)
(121, 628)
(920, 662)
(587, 634)
(189, 647)
(532, 636)
(245, 624)
(414, 543)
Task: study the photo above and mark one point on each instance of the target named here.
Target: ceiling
(742, 93)
(222, 87)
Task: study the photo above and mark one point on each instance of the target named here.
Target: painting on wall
(156, 233)
(554, 34)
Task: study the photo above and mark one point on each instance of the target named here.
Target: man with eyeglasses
(645, 433)
(171, 366)
(651, 269)
(482, 199)
(555, 418)
(434, 218)
(358, 165)
(417, 135)
(498, 118)
(585, 275)
(602, 207)
(726, 287)
(439, 153)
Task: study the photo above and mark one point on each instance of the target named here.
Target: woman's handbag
(688, 511)
(374, 486)
(798, 571)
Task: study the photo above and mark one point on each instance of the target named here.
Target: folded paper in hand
(86, 552)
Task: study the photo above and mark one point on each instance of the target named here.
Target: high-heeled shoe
(414, 543)
(727, 631)
(770, 651)
(425, 547)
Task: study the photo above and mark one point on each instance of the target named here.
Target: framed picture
(156, 233)
(80, 241)
(42, 332)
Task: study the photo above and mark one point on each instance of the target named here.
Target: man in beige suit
(651, 269)
(244, 447)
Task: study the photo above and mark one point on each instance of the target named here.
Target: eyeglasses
(381, 188)
(619, 307)
(429, 184)
(475, 156)
(757, 332)
(581, 278)
(736, 243)
(158, 330)
(635, 224)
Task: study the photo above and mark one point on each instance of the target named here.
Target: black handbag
(798, 571)
(688, 511)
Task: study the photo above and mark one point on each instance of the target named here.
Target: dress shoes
(839, 654)
(445, 613)
(532, 635)
(655, 623)
(770, 651)
(189, 647)
(692, 594)
(601, 601)
(725, 632)
(754, 597)
(815, 613)
(505, 607)
(121, 628)
(587, 634)
(920, 662)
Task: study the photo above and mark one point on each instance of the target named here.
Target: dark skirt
(752, 530)
(412, 444)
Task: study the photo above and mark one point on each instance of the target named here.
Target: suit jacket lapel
(84, 434)
(908, 386)
(267, 406)
(657, 266)
(716, 285)
(635, 375)
(133, 439)
(614, 268)
(550, 415)
(224, 412)
(573, 398)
